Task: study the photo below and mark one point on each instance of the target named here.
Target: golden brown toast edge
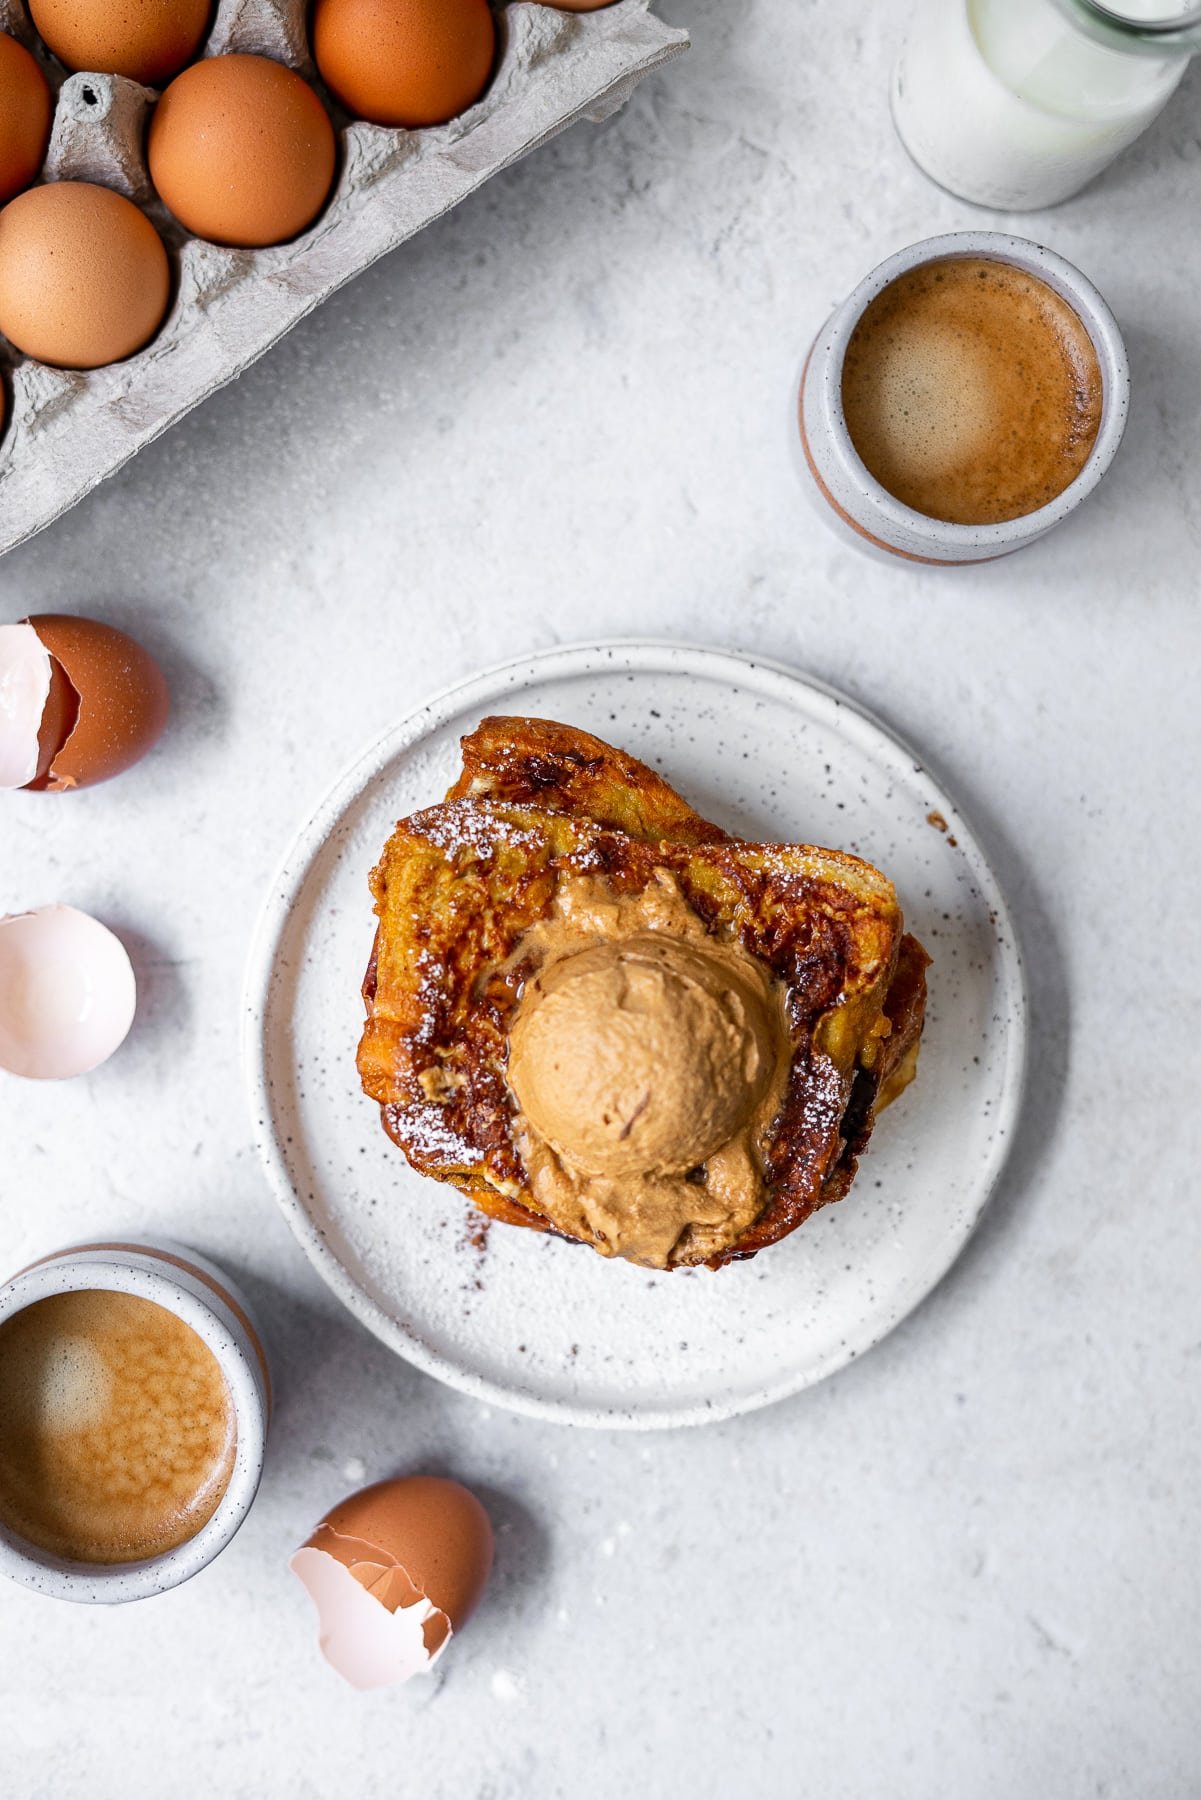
(539, 762)
(434, 915)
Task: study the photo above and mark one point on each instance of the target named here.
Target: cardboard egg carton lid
(67, 430)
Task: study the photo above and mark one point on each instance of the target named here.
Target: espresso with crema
(117, 1427)
(972, 391)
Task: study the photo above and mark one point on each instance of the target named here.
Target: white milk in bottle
(1018, 103)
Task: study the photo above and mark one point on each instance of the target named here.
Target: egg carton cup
(67, 430)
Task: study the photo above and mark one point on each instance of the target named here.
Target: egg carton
(68, 430)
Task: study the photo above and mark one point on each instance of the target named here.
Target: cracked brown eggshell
(106, 703)
(394, 1571)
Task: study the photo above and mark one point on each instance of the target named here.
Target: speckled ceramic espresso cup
(850, 498)
(195, 1291)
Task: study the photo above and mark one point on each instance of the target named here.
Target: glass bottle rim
(1178, 31)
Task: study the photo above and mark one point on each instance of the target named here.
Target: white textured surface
(968, 1565)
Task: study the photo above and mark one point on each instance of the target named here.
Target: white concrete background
(968, 1566)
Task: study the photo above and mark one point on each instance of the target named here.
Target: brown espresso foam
(972, 391)
(117, 1428)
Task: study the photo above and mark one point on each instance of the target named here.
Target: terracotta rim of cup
(1095, 315)
(168, 1274)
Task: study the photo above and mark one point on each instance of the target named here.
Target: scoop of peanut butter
(639, 1057)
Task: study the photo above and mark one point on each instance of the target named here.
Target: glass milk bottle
(1018, 103)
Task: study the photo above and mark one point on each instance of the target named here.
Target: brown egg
(242, 151)
(394, 1571)
(83, 275)
(107, 704)
(148, 40)
(25, 113)
(404, 62)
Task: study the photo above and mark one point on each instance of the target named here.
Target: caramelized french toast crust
(539, 804)
(536, 762)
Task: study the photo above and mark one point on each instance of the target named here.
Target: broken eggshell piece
(80, 702)
(394, 1571)
(67, 993)
(25, 678)
(375, 1627)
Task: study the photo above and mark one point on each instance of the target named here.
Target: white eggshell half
(67, 993)
(24, 688)
(368, 1645)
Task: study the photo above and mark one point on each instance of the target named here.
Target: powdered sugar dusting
(427, 1130)
(470, 829)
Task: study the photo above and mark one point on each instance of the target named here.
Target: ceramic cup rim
(1095, 315)
(124, 1271)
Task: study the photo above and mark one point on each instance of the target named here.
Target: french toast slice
(459, 885)
(539, 762)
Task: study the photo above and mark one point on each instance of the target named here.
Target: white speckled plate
(544, 1326)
